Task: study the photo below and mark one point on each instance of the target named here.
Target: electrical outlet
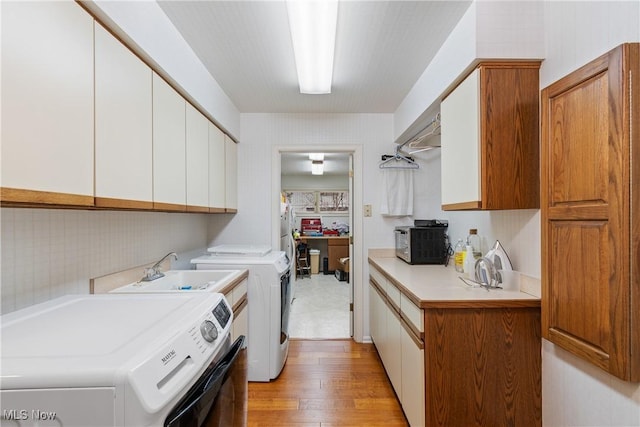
(367, 210)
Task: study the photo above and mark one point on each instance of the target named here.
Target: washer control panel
(222, 313)
(215, 323)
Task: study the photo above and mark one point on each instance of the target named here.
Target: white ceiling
(382, 48)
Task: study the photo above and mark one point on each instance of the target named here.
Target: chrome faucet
(154, 272)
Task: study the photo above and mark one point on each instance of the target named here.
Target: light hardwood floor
(326, 383)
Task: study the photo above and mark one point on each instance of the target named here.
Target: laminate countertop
(430, 286)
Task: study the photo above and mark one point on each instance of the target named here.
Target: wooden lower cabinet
(337, 247)
(483, 367)
(467, 363)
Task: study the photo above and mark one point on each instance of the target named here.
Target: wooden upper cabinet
(169, 161)
(47, 104)
(123, 137)
(591, 212)
(490, 145)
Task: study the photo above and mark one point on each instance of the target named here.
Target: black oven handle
(193, 408)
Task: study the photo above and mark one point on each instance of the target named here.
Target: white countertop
(440, 286)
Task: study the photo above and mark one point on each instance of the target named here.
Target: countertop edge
(528, 301)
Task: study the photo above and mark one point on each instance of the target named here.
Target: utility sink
(184, 281)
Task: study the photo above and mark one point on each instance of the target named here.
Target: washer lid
(88, 340)
(240, 250)
(276, 258)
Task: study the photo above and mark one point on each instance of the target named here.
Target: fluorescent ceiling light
(317, 167)
(316, 156)
(313, 31)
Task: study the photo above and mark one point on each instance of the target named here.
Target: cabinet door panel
(378, 320)
(393, 362)
(510, 173)
(412, 379)
(240, 323)
(334, 253)
(460, 113)
(47, 99)
(197, 155)
(578, 152)
(579, 299)
(589, 285)
(217, 169)
(169, 174)
(124, 154)
(231, 175)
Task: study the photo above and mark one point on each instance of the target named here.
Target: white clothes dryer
(269, 295)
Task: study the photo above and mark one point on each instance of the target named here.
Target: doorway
(336, 202)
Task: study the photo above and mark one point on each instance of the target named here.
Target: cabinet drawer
(378, 277)
(393, 294)
(338, 241)
(240, 291)
(411, 313)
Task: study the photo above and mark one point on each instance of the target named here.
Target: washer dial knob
(209, 330)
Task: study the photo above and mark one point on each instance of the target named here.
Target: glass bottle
(470, 264)
(473, 240)
(458, 256)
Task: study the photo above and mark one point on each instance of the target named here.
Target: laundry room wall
(47, 253)
(261, 132)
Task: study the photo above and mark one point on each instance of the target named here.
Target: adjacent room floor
(320, 308)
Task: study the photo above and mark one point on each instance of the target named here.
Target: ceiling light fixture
(316, 156)
(317, 167)
(312, 24)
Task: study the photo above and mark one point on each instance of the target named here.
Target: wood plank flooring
(326, 383)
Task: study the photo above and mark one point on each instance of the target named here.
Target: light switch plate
(367, 210)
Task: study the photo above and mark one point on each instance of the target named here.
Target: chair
(302, 260)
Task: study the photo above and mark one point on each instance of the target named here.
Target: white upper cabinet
(460, 112)
(123, 114)
(197, 145)
(47, 103)
(169, 163)
(490, 144)
(217, 169)
(231, 175)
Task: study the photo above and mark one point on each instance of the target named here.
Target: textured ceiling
(382, 48)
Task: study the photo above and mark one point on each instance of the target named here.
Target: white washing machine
(115, 360)
(269, 297)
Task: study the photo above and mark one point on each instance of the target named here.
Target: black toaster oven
(424, 244)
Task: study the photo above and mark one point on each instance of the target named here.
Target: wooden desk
(331, 247)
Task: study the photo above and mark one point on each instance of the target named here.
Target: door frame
(356, 229)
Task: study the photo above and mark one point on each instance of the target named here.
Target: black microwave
(422, 245)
